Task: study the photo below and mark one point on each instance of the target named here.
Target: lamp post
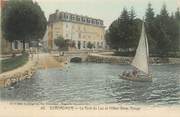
(38, 46)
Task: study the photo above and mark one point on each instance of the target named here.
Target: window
(84, 44)
(97, 22)
(79, 35)
(94, 44)
(97, 44)
(73, 17)
(15, 44)
(83, 19)
(63, 15)
(94, 22)
(78, 19)
(88, 21)
(66, 16)
(57, 34)
(101, 22)
(101, 43)
(60, 16)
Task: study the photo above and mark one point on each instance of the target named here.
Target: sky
(107, 10)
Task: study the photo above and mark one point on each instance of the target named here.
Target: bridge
(74, 55)
(81, 55)
(71, 56)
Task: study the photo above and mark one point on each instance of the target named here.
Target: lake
(91, 83)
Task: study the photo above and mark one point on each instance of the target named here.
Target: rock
(14, 76)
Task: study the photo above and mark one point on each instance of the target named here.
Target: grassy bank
(13, 63)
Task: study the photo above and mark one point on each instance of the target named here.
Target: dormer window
(73, 17)
(97, 22)
(83, 19)
(88, 21)
(66, 16)
(101, 22)
(94, 21)
(78, 18)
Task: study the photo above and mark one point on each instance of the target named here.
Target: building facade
(77, 28)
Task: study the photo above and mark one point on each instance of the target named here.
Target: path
(46, 61)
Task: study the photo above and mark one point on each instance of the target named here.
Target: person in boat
(126, 74)
(135, 72)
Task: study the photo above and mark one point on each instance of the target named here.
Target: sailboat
(140, 61)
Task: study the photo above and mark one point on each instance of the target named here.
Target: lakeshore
(41, 61)
(108, 58)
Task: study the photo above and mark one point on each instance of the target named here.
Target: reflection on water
(89, 83)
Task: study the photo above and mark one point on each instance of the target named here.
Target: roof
(59, 16)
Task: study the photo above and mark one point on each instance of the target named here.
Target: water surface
(90, 83)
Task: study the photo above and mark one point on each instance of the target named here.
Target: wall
(127, 60)
(11, 77)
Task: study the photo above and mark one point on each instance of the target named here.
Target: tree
(107, 37)
(124, 32)
(134, 25)
(61, 43)
(132, 15)
(177, 14)
(124, 29)
(149, 14)
(79, 45)
(150, 27)
(112, 35)
(167, 32)
(163, 31)
(90, 45)
(177, 18)
(173, 31)
(23, 20)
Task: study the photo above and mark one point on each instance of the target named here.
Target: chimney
(57, 11)
(57, 14)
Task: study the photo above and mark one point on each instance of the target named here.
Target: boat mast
(146, 44)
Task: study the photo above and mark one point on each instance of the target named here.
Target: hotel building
(77, 28)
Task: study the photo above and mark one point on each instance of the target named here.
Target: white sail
(140, 60)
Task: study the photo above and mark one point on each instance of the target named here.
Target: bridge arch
(76, 59)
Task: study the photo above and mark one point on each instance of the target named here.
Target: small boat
(140, 61)
(138, 78)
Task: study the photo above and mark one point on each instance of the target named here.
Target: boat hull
(139, 78)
